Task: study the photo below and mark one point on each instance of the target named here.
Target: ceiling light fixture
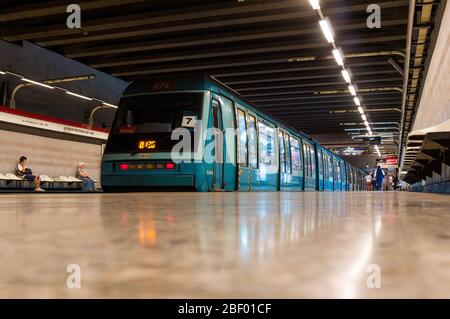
(80, 96)
(110, 105)
(378, 150)
(346, 76)
(327, 31)
(38, 83)
(314, 4)
(352, 90)
(338, 57)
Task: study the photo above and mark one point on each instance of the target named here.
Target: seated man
(88, 183)
(25, 173)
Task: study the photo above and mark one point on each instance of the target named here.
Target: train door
(313, 167)
(320, 175)
(335, 175)
(343, 182)
(253, 167)
(310, 167)
(268, 172)
(297, 164)
(283, 161)
(325, 170)
(349, 181)
(289, 177)
(243, 165)
(306, 167)
(339, 174)
(218, 146)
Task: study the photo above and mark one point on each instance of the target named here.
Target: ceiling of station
(271, 52)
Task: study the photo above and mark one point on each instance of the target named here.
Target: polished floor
(226, 245)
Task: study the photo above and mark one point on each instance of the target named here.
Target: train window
(215, 115)
(296, 155)
(242, 140)
(266, 144)
(154, 117)
(288, 154)
(282, 152)
(252, 142)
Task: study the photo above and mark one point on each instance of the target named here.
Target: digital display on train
(146, 144)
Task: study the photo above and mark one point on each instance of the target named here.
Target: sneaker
(39, 190)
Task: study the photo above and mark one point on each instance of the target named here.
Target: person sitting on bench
(88, 183)
(25, 173)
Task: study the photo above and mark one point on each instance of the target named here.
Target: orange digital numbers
(147, 145)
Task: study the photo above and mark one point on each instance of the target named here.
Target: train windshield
(145, 124)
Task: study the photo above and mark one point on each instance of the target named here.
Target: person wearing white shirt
(369, 182)
(25, 173)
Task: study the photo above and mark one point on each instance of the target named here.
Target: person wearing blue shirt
(379, 174)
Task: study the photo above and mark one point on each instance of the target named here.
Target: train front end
(156, 142)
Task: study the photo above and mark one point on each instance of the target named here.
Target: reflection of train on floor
(263, 155)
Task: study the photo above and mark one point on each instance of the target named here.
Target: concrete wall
(52, 157)
(434, 107)
(40, 64)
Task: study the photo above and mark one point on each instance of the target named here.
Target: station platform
(225, 245)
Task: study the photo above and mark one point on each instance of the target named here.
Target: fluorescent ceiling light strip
(1, 72)
(357, 101)
(338, 57)
(326, 29)
(78, 95)
(363, 116)
(352, 90)
(361, 110)
(38, 83)
(110, 105)
(314, 4)
(346, 76)
(378, 150)
(366, 123)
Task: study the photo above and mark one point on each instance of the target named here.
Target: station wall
(40, 64)
(48, 156)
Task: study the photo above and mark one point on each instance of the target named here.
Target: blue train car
(195, 133)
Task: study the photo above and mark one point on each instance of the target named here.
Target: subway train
(195, 133)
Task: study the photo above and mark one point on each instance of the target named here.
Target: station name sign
(41, 122)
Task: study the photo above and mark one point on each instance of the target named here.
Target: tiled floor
(226, 245)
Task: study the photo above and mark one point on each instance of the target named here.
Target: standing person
(379, 175)
(25, 173)
(374, 181)
(388, 182)
(88, 183)
(395, 182)
(368, 182)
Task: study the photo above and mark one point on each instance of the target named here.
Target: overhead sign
(372, 140)
(17, 117)
(392, 160)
